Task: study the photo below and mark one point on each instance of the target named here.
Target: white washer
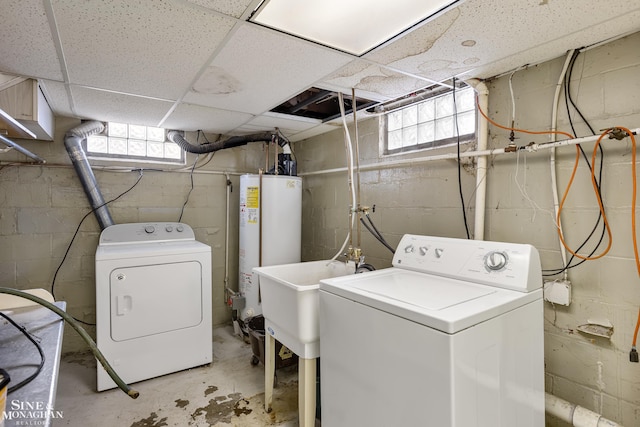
(153, 301)
(450, 336)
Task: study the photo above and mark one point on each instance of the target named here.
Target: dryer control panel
(145, 232)
(506, 265)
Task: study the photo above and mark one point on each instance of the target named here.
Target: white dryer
(450, 336)
(153, 301)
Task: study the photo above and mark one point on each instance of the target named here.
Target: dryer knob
(169, 228)
(180, 229)
(149, 229)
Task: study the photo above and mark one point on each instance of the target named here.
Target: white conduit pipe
(454, 156)
(349, 168)
(575, 415)
(552, 157)
(226, 235)
(481, 167)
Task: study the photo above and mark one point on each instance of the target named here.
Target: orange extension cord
(595, 187)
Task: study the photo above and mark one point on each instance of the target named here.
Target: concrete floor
(228, 392)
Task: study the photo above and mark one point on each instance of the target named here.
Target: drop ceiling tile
(27, 46)
(118, 107)
(235, 8)
(134, 48)
(288, 125)
(465, 40)
(373, 81)
(315, 131)
(541, 53)
(56, 94)
(259, 68)
(191, 117)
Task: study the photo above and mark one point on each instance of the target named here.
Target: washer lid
(436, 294)
(441, 303)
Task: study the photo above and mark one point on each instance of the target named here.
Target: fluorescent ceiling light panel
(352, 26)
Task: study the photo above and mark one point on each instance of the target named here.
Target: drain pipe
(575, 415)
(73, 143)
(481, 167)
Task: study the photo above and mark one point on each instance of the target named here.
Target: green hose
(80, 330)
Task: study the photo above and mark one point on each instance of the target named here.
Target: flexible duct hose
(73, 143)
(234, 141)
(85, 336)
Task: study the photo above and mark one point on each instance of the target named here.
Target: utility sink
(290, 300)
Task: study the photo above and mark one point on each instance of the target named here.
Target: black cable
(55, 275)
(42, 358)
(569, 100)
(455, 118)
(206, 140)
(378, 232)
(376, 236)
(190, 190)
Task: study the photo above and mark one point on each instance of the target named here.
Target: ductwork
(73, 143)
(234, 141)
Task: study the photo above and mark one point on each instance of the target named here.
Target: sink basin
(289, 295)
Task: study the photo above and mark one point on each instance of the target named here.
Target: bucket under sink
(290, 301)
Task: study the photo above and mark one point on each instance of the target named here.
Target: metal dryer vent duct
(73, 143)
(234, 141)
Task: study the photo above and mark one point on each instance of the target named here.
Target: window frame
(106, 156)
(436, 143)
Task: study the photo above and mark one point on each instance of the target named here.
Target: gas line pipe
(453, 156)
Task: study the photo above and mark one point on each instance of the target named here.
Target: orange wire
(531, 132)
(600, 206)
(566, 192)
(593, 182)
(635, 334)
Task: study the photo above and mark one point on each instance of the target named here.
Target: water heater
(270, 230)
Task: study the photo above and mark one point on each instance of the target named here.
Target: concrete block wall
(41, 206)
(590, 371)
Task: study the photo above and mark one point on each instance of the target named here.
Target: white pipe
(575, 415)
(481, 168)
(349, 168)
(493, 152)
(226, 236)
(552, 157)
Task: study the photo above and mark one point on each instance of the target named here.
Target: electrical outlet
(557, 292)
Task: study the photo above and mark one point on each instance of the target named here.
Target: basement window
(433, 121)
(121, 141)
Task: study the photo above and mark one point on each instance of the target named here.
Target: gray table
(33, 404)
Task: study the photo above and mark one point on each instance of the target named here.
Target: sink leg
(269, 370)
(307, 392)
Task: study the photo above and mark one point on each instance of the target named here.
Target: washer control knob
(149, 229)
(409, 249)
(439, 252)
(180, 228)
(423, 250)
(168, 228)
(495, 260)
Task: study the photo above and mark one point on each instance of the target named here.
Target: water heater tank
(270, 230)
